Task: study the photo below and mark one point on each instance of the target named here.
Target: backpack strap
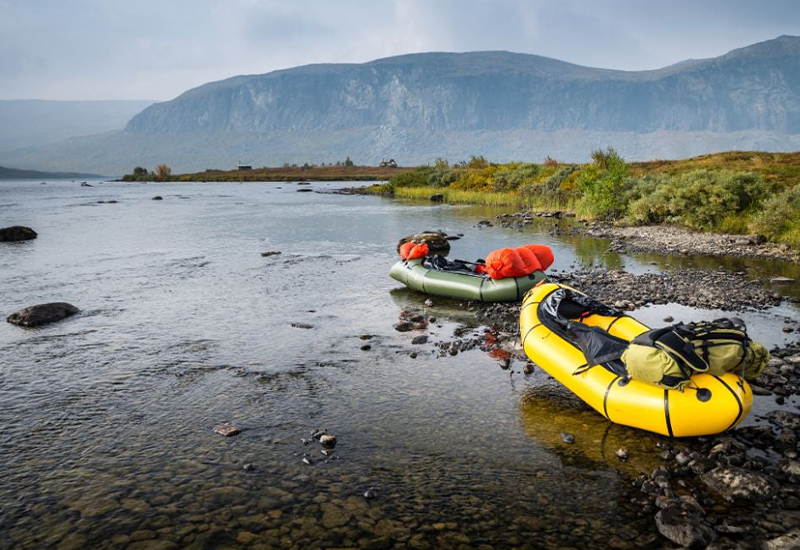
(677, 346)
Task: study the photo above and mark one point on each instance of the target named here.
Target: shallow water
(106, 434)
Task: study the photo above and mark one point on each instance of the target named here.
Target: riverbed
(106, 434)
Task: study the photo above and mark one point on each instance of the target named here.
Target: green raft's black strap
(480, 288)
(516, 283)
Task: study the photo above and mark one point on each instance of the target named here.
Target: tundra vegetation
(734, 192)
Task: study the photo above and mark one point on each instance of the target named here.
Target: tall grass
(484, 198)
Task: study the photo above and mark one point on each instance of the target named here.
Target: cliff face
(753, 88)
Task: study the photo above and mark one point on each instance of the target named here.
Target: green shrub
(780, 218)
(550, 188)
(602, 184)
(511, 177)
(700, 199)
(417, 178)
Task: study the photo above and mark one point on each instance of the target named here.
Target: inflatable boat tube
(709, 405)
(466, 286)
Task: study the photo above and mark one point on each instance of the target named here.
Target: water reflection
(547, 411)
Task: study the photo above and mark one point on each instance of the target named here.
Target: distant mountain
(415, 108)
(15, 174)
(29, 122)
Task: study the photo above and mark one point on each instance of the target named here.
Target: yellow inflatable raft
(710, 404)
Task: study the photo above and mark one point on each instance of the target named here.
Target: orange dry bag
(543, 254)
(529, 259)
(405, 248)
(504, 263)
(419, 251)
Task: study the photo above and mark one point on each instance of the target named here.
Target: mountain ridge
(477, 91)
(417, 107)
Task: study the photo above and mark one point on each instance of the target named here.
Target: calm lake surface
(106, 418)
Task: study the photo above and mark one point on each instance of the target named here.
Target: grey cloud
(106, 49)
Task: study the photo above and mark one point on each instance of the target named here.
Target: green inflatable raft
(415, 274)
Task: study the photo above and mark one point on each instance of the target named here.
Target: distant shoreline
(284, 174)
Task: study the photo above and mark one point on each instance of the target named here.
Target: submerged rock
(270, 253)
(436, 240)
(17, 233)
(737, 484)
(328, 440)
(158, 198)
(569, 439)
(42, 314)
(438, 197)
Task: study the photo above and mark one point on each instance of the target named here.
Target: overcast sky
(156, 49)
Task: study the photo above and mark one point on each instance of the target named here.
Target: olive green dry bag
(669, 356)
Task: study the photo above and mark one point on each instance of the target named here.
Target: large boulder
(436, 240)
(17, 233)
(737, 484)
(42, 314)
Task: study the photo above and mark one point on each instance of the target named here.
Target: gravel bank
(675, 240)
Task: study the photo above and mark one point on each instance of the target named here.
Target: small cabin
(245, 167)
(388, 164)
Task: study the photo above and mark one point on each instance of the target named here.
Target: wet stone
(227, 429)
(422, 339)
(567, 438)
(42, 314)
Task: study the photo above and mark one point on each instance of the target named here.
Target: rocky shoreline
(679, 241)
(662, 239)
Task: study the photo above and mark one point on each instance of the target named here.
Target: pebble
(668, 319)
(270, 253)
(366, 347)
(567, 438)
(422, 339)
(328, 440)
(302, 325)
(622, 454)
(429, 302)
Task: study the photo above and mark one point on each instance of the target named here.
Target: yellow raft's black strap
(735, 396)
(666, 413)
(527, 333)
(526, 304)
(582, 368)
(611, 324)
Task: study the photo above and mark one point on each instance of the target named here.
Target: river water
(106, 418)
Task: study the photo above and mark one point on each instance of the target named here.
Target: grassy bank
(734, 192)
